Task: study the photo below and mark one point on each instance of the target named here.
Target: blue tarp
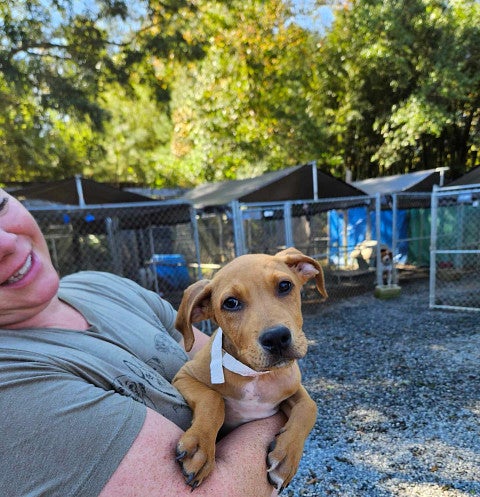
(357, 232)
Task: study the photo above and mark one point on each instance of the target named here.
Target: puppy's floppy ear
(195, 306)
(306, 267)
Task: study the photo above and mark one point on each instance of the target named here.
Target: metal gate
(455, 248)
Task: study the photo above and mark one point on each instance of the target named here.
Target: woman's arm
(149, 468)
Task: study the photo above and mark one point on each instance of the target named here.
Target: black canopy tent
(90, 225)
(88, 203)
(274, 209)
(471, 177)
(303, 182)
(78, 191)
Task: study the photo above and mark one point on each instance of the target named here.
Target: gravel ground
(398, 391)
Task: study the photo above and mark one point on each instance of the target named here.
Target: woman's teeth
(21, 272)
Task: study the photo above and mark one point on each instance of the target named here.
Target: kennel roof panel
(91, 204)
(471, 177)
(418, 181)
(78, 191)
(293, 183)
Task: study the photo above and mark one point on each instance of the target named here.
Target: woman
(85, 395)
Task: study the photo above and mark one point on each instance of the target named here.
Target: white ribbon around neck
(221, 359)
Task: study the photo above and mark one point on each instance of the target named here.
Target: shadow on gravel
(398, 389)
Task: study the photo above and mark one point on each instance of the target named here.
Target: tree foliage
(58, 57)
(243, 108)
(176, 92)
(402, 81)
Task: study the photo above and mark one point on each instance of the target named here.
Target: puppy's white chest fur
(252, 404)
(259, 398)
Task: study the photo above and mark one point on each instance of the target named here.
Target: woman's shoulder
(92, 286)
(99, 281)
(94, 277)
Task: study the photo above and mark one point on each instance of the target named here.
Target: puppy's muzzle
(276, 340)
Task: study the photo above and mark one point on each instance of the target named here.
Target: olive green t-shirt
(72, 402)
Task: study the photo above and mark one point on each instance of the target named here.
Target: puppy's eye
(232, 304)
(284, 287)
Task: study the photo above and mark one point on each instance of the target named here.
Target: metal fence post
(287, 220)
(238, 231)
(378, 211)
(196, 240)
(433, 245)
(394, 236)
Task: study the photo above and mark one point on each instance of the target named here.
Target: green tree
(30, 146)
(398, 86)
(243, 108)
(438, 123)
(56, 58)
(136, 139)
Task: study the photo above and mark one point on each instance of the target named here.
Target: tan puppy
(248, 370)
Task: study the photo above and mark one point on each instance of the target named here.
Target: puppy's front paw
(283, 459)
(196, 456)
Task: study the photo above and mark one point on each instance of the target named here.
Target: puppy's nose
(276, 339)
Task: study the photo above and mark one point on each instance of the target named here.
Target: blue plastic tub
(172, 269)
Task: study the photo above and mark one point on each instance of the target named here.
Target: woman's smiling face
(28, 280)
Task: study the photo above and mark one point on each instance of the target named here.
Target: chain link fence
(154, 243)
(166, 245)
(410, 236)
(455, 248)
(340, 233)
(320, 229)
